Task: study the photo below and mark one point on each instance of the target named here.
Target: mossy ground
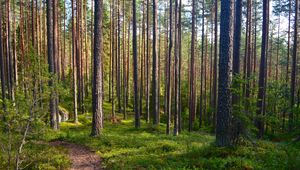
(121, 146)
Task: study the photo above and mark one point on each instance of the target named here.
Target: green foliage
(121, 146)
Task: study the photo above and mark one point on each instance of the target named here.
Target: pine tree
(97, 122)
(224, 97)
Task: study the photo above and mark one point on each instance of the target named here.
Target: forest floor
(81, 157)
(121, 146)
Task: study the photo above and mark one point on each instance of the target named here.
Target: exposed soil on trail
(80, 156)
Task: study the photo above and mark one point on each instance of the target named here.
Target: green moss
(122, 146)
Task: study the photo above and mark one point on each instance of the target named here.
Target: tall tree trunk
(55, 56)
(22, 55)
(287, 57)
(97, 122)
(294, 67)
(215, 76)
(169, 72)
(224, 97)
(179, 71)
(155, 67)
(176, 56)
(78, 53)
(249, 52)
(8, 53)
(278, 44)
(15, 68)
(74, 65)
(50, 31)
(113, 63)
(2, 68)
(135, 66)
(142, 47)
(118, 62)
(263, 65)
(147, 66)
(192, 69)
(202, 68)
(63, 59)
(124, 64)
(236, 47)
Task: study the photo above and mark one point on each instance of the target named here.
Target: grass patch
(122, 146)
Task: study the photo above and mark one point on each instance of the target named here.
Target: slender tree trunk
(176, 56)
(78, 54)
(236, 47)
(21, 25)
(74, 65)
(155, 67)
(2, 67)
(294, 67)
(118, 62)
(53, 120)
(169, 72)
(55, 57)
(278, 45)
(192, 69)
(128, 62)
(147, 66)
(8, 52)
(15, 59)
(135, 66)
(142, 52)
(97, 122)
(179, 71)
(202, 68)
(63, 59)
(215, 76)
(124, 64)
(249, 52)
(166, 61)
(263, 65)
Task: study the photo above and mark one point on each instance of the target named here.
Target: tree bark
(169, 71)
(192, 70)
(215, 76)
(224, 97)
(155, 67)
(2, 69)
(97, 122)
(74, 65)
(237, 44)
(135, 66)
(294, 67)
(263, 65)
(50, 31)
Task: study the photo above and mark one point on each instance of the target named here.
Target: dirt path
(81, 157)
